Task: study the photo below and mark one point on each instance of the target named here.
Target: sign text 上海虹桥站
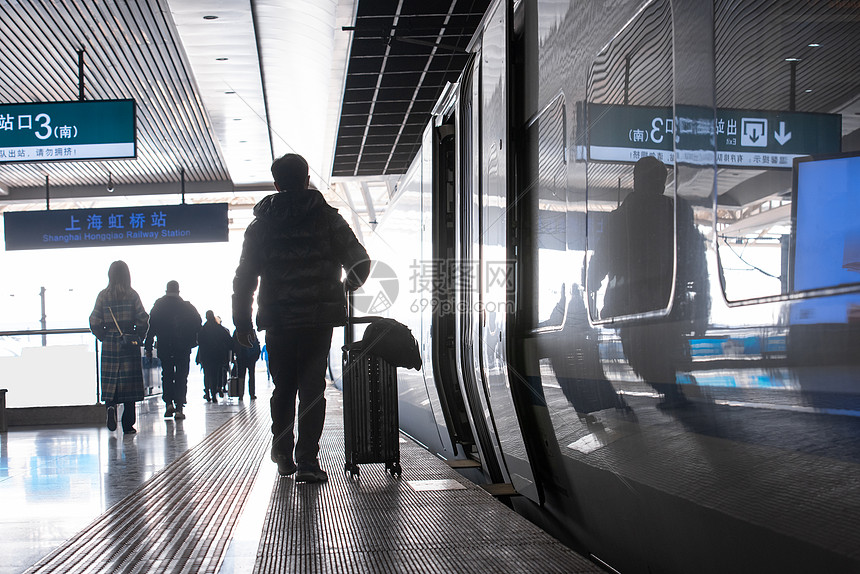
(163, 224)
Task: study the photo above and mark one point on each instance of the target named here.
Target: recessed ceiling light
(229, 92)
(815, 45)
(792, 59)
(237, 119)
(210, 17)
(222, 59)
(807, 91)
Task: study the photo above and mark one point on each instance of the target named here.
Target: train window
(630, 187)
(786, 73)
(546, 174)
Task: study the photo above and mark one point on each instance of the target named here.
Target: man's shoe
(130, 430)
(168, 412)
(179, 415)
(286, 466)
(311, 473)
(111, 418)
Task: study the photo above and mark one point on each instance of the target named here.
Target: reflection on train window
(630, 224)
(546, 174)
(783, 103)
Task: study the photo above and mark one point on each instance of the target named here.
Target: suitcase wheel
(352, 469)
(394, 468)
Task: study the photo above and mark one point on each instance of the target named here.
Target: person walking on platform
(246, 361)
(173, 326)
(118, 317)
(213, 354)
(297, 248)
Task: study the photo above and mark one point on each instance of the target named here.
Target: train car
(629, 249)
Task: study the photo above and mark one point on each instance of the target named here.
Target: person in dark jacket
(117, 311)
(173, 327)
(297, 248)
(213, 354)
(246, 361)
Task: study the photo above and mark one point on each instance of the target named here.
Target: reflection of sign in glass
(201, 223)
(743, 138)
(63, 131)
(754, 132)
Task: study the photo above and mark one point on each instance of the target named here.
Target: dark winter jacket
(215, 345)
(174, 322)
(297, 245)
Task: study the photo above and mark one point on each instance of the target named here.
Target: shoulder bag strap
(114, 321)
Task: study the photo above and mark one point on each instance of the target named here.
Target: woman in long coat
(121, 369)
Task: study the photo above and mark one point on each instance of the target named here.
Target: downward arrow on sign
(781, 136)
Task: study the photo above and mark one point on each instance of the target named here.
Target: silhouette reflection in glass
(636, 254)
(575, 359)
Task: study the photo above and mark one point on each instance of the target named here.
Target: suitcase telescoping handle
(348, 331)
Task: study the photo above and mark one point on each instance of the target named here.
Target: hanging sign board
(65, 131)
(104, 227)
(744, 138)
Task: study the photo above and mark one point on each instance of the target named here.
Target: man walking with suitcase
(296, 247)
(173, 326)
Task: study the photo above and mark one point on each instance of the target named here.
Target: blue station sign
(103, 227)
(742, 138)
(65, 131)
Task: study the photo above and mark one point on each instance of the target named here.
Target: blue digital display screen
(826, 213)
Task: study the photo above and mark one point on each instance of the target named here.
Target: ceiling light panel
(222, 52)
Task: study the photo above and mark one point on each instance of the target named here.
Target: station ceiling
(223, 87)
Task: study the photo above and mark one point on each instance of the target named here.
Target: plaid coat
(121, 369)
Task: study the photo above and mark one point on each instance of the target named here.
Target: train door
(496, 273)
(446, 271)
(466, 234)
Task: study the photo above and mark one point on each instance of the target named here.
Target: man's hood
(293, 205)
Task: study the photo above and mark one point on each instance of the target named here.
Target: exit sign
(740, 138)
(65, 131)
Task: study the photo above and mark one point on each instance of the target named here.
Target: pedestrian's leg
(180, 387)
(129, 417)
(111, 415)
(210, 380)
(240, 377)
(168, 382)
(283, 359)
(315, 345)
(252, 385)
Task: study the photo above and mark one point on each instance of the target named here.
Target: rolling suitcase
(235, 385)
(370, 414)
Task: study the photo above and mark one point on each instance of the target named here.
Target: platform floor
(201, 495)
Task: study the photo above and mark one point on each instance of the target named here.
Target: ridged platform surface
(428, 520)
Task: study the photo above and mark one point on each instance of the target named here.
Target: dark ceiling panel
(399, 61)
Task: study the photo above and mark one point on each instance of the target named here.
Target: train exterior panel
(629, 247)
